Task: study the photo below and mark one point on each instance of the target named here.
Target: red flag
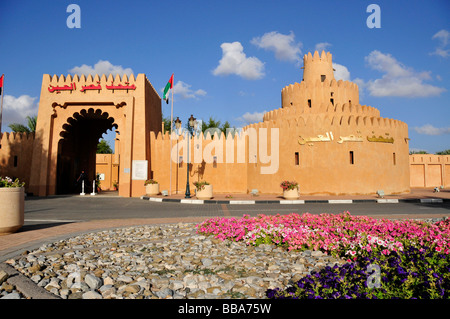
(169, 86)
(1, 83)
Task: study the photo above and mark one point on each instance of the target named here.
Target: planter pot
(152, 189)
(12, 207)
(205, 193)
(291, 193)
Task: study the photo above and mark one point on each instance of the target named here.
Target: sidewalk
(416, 194)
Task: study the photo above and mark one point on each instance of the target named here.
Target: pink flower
(385, 252)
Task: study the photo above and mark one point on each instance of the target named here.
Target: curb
(330, 201)
(25, 285)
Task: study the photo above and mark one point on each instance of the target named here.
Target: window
(352, 158)
(350, 102)
(180, 161)
(323, 77)
(15, 161)
(309, 103)
(297, 159)
(393, 159)
(215, 161)
(332, 101)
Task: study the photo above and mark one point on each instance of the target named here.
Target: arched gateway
(73, 114)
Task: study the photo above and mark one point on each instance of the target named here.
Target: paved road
(60, 209)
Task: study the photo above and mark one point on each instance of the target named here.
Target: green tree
(31, 125)
(212, 123)
(166, 121)
(446, 152)
(417, 152)
(103, 147)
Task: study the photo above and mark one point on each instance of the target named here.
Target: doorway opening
(77, 149)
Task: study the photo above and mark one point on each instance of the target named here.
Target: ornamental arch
(73, 114)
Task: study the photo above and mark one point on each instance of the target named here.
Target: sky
(231, 59)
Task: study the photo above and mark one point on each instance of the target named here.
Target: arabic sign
(98, 87)
(380, 139)
(328, 137)
(58, 89)
(320, 138)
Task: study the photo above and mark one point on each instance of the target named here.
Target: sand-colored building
(320, 137)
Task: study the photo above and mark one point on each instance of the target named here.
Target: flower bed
(363, 241)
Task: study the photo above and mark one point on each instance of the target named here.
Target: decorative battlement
(328, 120)
(13, 137)
(317, 67)
(326, 108)
(323, 57)
(89, 79)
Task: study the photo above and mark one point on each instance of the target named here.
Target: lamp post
(178, 125)
(192, 126)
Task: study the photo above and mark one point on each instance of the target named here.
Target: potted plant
(151, 187)
(203, 190)
(97, 183)
(115, 185)
(290, 189)
(12, 205)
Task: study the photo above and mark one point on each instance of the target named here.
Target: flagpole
(1, 107)
(170, 150)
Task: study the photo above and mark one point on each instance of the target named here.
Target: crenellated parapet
(325, 120)
(322, 108)
(7, 138)
(307, 95)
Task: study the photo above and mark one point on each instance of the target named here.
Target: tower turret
(317, 67)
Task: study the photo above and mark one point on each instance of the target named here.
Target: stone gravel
(160, 262)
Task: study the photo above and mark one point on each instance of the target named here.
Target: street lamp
(192, 126)
(178, 125)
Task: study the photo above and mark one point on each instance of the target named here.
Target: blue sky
(232, 58)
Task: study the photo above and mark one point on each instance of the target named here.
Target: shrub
(150, 181)
(200, 185)
(9, 182)
(286, 185)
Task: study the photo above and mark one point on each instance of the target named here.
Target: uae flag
(1, 83)
(168, 87)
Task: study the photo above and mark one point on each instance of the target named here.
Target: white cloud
(341, 73)
(443, 37)
(283, 45)
(234, 61)
(101, 67)
(16, 109)
(398, 80)
(429, 129)
(184, 91)
(322, 46)
(249, 118)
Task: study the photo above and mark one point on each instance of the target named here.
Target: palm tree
(103, 147)
(30, 128)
